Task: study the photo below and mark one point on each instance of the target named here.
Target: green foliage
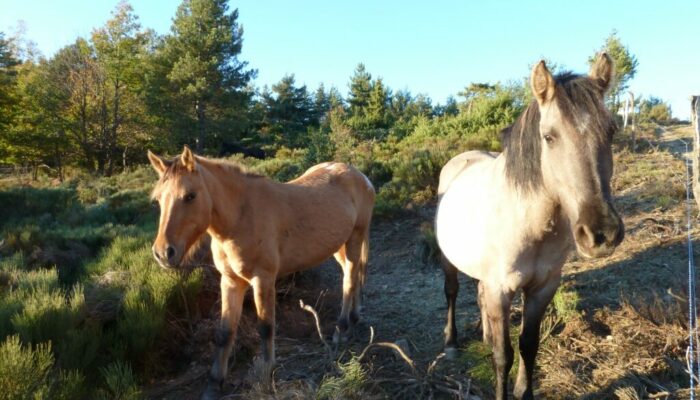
(24, 372)
(46, 315)
(288, 112)
(8, 90)
(653, 109)
(360, 89)
(565, 304)
(120, 382)
(477, 355)
(123, 302)
(287, 164)
(70, 385)
(625, 67)
(349, 385)
(205, 82)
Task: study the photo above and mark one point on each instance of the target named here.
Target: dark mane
(578, 98)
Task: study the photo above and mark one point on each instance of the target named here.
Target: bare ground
(626, 339)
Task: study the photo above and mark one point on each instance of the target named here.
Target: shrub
(28, 202)
(24, 371)
(287, 164)
(70, 385)
(349, 385)
(120, 382)
(46, 315)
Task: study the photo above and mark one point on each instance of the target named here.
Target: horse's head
(576, 132)
(185, 206)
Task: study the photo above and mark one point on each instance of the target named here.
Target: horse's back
(322, 207)
(332, 174)
(458, 164)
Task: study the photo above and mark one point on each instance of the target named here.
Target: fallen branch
(393, 346)
(313, 312)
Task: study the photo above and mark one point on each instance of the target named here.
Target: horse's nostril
(170, 252)
(599, 239)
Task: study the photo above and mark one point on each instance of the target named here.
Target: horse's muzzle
(599, 237)
(166, 256)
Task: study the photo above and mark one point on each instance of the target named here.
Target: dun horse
(510, 220)
(261, 229)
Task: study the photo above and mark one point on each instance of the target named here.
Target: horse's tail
(364, 256)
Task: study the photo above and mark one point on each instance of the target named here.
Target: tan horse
(510, 221)
(260, 230)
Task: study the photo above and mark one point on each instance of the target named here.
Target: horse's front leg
(535, 303)
(232, 292)
(497, 301)
(264, 292)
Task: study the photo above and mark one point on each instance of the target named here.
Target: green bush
(29, 202)
(349, 385)
(24, 372)
(120, 383)
(70, 385)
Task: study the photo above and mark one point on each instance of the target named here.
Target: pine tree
(625, 67)
(335, 99)
(377, 105)
(322, 104)
(203, 67)
(289, 111)
(360, 88)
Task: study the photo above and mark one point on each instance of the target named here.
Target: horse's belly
(462, 224)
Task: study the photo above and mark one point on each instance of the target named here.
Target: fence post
(695, 115)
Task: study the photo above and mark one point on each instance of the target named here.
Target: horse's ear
(188, 159)
(542, 83)
(158, 163)
(602, 71)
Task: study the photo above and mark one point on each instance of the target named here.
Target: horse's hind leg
(351, 283)
(451, 290)
(534, 306)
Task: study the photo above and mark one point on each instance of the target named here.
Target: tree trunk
(59, 163)
(199, 106)
(631, 116)
(126, 147)
(115, 126)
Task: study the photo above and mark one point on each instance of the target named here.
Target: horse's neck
(533, 209)
(228, 189)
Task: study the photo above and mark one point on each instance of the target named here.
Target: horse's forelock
(522, 146)
(579, 100)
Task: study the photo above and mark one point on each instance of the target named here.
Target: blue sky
(432, 47)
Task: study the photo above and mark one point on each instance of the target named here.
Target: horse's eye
(155, 204)
(190, 196)
(549, 139)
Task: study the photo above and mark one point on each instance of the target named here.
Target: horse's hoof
(451, 353)
(212, 392)
(341, 337)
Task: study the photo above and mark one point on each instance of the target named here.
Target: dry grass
(630, 339)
